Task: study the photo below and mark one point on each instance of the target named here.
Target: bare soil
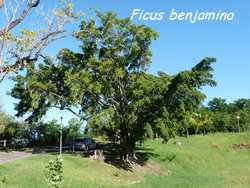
(240, 146)
(151, 168)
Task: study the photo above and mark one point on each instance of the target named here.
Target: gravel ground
(12, 155)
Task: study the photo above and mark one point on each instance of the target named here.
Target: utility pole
(238, 122)
(61, 137)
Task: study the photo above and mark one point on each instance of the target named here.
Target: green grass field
(201, 162)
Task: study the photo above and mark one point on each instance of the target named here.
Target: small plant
(55, 172)
(169, 157)
(4, 180)
(116, 173)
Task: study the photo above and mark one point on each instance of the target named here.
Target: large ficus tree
(107, 84)
(103, 77)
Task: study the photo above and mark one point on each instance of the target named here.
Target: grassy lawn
(202, 161)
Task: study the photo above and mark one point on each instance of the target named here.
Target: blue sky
(180, 44)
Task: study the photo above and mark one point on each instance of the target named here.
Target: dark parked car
(19, 143)
(85, 144)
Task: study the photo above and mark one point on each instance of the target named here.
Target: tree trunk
(127, 145)
(196, 130)
(187, 133)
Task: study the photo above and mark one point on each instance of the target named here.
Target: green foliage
(4, 121)
(225, 114)
(148, 131)
(42, 134)
(3, 180)
(183, 94)
(73, 129)
(114, 56)
(47, 134)
(50, 133)
(9, 127)
(218, 105)
(101, 124)
(55, 172)
(108, 84)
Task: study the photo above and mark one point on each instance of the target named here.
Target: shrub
(55, 172)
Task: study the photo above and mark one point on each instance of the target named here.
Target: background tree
(4, 120)
(183, 96)
(10, 129)
(73, 130)
(50, 133)
(224, 115)
(218, 105)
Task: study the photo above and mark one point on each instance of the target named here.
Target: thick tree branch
(26, 46)
(18, 20)
(21, 62)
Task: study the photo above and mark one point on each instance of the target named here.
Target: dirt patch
(240, 146)
(215, 146)
(151, 168)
